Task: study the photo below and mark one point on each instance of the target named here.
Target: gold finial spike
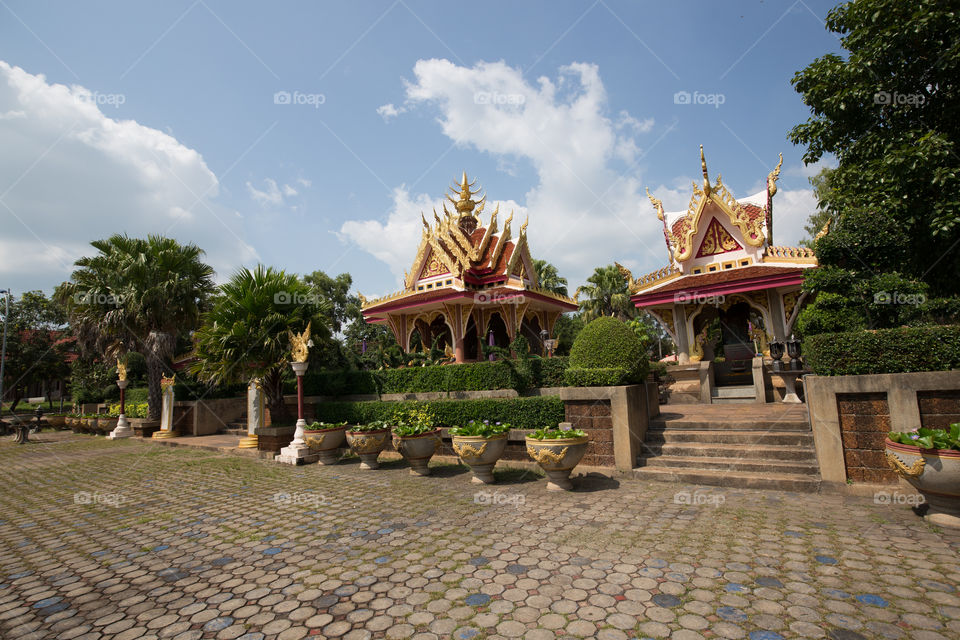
(437, 218)
(424, 219)
(825, 230)
(773, 176)
(523, 227)
(657, 204)
(703, 167)
(299, 347)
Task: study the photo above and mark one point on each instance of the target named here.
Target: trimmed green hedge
(477, 376)
(930, 348)
(606, 352)
(597, 376)
(522, 413)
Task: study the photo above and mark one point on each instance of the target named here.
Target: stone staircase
(236, 427)
(762, 446)
(738, 394)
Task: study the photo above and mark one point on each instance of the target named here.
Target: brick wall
(593, 416)
(864, 423)
(939, 409)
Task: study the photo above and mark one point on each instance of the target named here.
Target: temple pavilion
(469, 285)
(727, 289)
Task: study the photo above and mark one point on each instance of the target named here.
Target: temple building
(727, 290)
(469, 285)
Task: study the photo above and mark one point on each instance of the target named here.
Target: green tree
(817, 220)
(136, 295)
(549, 278)
(605, 294)
(35, 347)
(245, 333)
(889, 111)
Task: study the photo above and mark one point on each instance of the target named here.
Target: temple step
(730, 436)
(737, 394)
(734, 479)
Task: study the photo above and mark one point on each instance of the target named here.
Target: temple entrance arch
(431, 329)
(496, 334)
(530, 329)
(471, 341)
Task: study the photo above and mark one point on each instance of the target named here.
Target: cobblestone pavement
(125, 540)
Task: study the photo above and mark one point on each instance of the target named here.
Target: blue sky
(168, 122)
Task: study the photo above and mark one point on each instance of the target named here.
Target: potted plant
(557, 452)
(416, 437)
(480, 445)
(929, 459)
(325, 440)
(367, 441)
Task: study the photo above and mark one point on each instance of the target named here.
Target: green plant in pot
(557, 452)
(417, 437)
(480, 445)
(367, 441)
(929, 459)
(326, 440)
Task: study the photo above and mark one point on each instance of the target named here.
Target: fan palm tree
(548, 277)
(244, 335)
(136, 295)
(606, 294)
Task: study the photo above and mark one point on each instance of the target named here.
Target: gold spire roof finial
(703, 167)
(772, 178)
(466, 204)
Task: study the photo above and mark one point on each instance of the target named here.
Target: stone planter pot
(480, 454)
(935, 473)
(417, 450)
(143, 427)
(558, 458)
(326, 443)
(368, 445)
(57, 422)
(106, 425)
(89, 425)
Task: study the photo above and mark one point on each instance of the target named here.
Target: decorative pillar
(166, 409)
(122, 430)
(298, 452)
(254, 414)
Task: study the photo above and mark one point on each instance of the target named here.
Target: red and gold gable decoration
(433, 266)
(717, 240)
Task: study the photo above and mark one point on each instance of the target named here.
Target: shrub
(929, 348)
(522, 413)
(609, 345)
(597, 377)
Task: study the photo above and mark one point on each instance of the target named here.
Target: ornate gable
(717, 240)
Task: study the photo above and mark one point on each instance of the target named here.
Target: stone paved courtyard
(125, 540)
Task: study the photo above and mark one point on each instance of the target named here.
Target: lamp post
(3, 350)
(297, 452)
(122, 430)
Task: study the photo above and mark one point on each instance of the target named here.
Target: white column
(254, 414)
(122, 430)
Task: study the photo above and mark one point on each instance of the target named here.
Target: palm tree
(136, 295)
(244, 335)
(607, 294)
(548, 277)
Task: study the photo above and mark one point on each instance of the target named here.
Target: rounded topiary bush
(607, 352)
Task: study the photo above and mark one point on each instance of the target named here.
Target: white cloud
(791, 210)
(388, 111)
(274, 194)
(581, 202)
(70, 174)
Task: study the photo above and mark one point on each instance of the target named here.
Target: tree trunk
(273, 388)
(154, 373)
